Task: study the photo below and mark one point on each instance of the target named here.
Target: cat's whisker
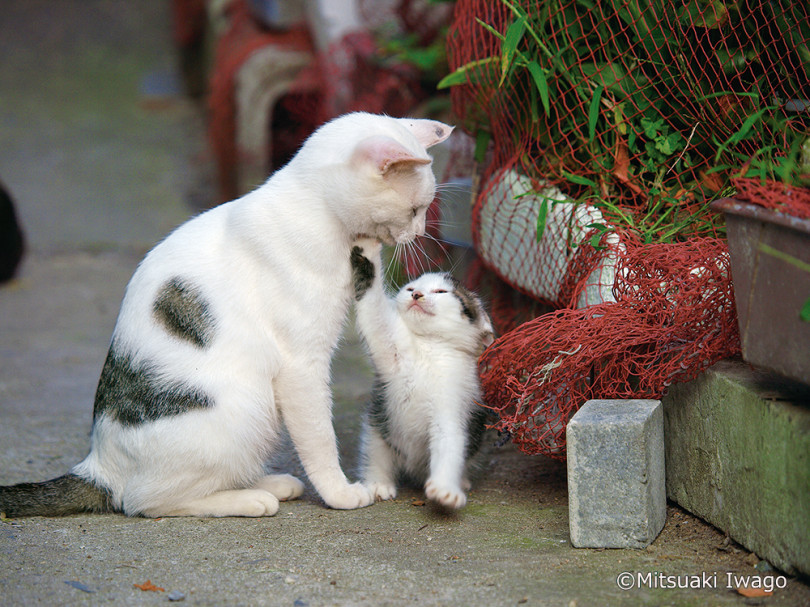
(419, 255)
(408, 258)
(393, 260)
(450, 186)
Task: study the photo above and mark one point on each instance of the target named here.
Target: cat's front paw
(365, 260)
(349, 497)
(447, 495)
(368, 247)
(381, 491)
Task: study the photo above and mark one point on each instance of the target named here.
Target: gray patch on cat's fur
(476, 427)
(363, 272)
(183, 312)
(134, 395)
(377, 413)
(470, 304)
(68, 494)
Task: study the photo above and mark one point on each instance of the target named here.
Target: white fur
(273, 267)
(425, 352)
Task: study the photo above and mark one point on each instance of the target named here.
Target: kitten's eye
(409, 289)
(439, 291)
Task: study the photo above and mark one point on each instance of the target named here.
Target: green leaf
(462, 74)
(542, 215)
(593, 112)
(804, 314)
(454, 78)
(744, 129)
(490, 29)
(579, 180)
(540, 81)
(482, 138)
(651, 127)
(514, 34)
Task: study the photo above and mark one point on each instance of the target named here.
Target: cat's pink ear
(427, 132)
(386, 154)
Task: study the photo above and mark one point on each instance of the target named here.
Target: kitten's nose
(417, 295)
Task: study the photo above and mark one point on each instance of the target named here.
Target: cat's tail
(68, 494)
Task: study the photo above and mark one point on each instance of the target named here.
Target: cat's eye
(409, 289)
(439, 291)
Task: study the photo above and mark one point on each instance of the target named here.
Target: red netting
(775, 196)
(641, 110)
(611, 125)
(636, 97)
(674, 316)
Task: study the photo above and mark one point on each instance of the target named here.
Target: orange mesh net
(610, 126)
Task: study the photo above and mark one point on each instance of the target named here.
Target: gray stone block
(616, 479)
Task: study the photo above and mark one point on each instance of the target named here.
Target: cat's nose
(417, 295)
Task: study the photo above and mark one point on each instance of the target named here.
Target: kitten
(423, 421)
(227, 329)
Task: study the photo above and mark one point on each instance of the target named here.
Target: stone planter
(770, 267)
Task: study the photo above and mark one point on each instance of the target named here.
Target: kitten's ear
(428, 132)
(386, 154)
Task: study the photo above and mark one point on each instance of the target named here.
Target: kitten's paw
(381, 491)
(349, 497)
(447, 495)
(368, 247)
(283, 486)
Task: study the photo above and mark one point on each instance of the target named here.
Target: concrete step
(738, 456)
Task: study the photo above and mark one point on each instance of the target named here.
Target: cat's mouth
(415, 304)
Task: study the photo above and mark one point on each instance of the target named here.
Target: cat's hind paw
(349, 497)
(382, 491)
(283, 486)
(238, 502)
(446, 495)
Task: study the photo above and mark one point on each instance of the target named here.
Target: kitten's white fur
(425, 352)
(273, 268)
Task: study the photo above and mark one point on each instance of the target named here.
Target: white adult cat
(423, 421)
(227, 329)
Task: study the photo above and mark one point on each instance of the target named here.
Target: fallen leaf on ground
(148, 586)
(621, 167)
(751, 592)
(418, 503)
